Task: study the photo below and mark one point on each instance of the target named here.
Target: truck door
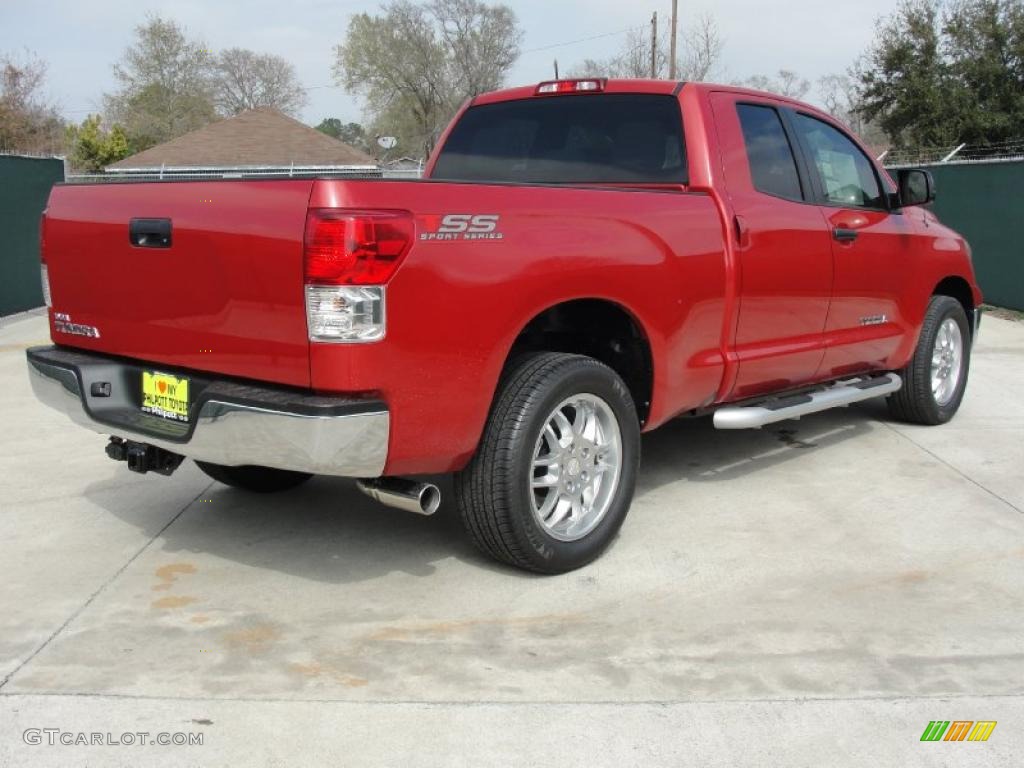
(783, 247)
(872, 247)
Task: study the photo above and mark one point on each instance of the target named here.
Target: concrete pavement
(809, 594)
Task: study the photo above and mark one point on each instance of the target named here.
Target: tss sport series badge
(462, 226)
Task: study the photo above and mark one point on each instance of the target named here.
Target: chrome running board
(839, 395)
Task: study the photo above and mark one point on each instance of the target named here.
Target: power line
(528, 50)
(582, 40)
(531, 50)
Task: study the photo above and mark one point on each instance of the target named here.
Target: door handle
(150, 233)
(845, 235)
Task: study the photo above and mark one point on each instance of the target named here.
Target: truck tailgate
(225, 296)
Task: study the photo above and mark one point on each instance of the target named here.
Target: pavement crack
(957, 470)
(100, 589)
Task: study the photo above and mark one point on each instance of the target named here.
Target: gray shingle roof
(259, 137)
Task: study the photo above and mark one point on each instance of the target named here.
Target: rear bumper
(229, 423)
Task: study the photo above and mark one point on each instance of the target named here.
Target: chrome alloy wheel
(576, 467)
(947, 361)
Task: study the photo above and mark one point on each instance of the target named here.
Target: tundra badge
(62, 324)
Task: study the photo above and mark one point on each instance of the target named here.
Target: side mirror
(917, 187)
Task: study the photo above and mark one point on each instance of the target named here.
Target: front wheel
(554, 475)
(935, 379)
(255, 479)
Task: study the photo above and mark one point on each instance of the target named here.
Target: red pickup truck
(584, 261)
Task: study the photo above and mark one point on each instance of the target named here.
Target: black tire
(493, 492)
(255, 479)
(915, 402)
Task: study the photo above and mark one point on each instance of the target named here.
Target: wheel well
(599, 329)
(957, 288)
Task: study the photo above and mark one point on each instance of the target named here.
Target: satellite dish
(387, 142)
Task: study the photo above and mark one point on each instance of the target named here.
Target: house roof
(259, 137)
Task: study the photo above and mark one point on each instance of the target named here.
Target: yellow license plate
(165, 395)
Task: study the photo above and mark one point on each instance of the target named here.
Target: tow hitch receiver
(142, 457)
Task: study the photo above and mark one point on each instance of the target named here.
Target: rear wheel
(253, 478)
(554, 475)
(935, 379)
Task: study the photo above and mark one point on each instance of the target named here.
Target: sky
(82, 40)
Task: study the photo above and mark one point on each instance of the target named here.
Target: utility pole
(672, 45)
(556, 69)
(654, 45)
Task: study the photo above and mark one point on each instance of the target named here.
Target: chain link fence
(1007, 151)
(215, 174)
(218, 173)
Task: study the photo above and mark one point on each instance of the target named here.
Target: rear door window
(772, 163)
(605, 138)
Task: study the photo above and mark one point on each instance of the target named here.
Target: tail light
(44, 275)
(570, 86)
(349, 257)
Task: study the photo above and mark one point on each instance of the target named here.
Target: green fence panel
(985, 202)
(25, 184)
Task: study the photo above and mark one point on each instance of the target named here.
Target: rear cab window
(773, 168)
(605, 138)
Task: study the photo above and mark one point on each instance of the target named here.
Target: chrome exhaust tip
(412, 496)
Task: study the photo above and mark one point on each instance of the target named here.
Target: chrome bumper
(302, 433)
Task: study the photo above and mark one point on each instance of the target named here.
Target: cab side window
(847, 176)
(772, 164)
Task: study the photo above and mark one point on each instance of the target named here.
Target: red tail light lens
(345, 247)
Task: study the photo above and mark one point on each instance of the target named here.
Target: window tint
(607, 138)
(772, 166)
(846, 173)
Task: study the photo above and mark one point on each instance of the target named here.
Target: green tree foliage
(166, 87)
(416, 62)
(943, 73)
(352, 134)
(92, 148)
(984, 40)
(170, 84)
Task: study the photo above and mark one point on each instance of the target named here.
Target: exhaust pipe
(421, 498)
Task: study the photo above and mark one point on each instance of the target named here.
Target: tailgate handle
(150, 233)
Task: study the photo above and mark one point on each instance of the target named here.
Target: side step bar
(842, 394)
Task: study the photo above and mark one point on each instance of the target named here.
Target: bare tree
(418, 61)
(784, 83)
(840, 97)
(702, 51)
(28, 122)
(482, 42)
(244, 79)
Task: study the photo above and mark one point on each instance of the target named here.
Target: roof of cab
(612, 85)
